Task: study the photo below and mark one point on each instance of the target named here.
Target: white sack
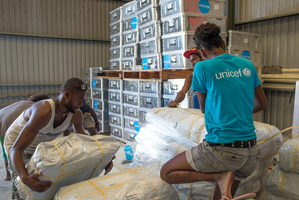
(187, 121)
(289, 156)
(283, 183)
(134, 183)
(68, 160)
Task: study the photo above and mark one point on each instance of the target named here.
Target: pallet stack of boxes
(86, 79)
(179, 19)
(246, 45)
(153, 35)
(148, 15)
(99, 93)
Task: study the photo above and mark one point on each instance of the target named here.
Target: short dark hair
(38, 97)
(72, 83)
(208, 36)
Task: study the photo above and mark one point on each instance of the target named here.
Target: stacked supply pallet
(179, 19)
(246, 45)
(131, 105)
(116, 38)
(150, 34)
(86, 79)
(99, 91)
(151, 54)
(115, 101)
(130, 48)
(150, 97)
(171, 88)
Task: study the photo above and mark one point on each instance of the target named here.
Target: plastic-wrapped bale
(134, 183)
(187, 121)
(68, 160)
(156, 144)
(283, 183)
(289, 156)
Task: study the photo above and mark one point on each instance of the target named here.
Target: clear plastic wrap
(68, 160)
(134, 183)
(289, 156)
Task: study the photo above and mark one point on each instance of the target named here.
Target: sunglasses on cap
(83, 86)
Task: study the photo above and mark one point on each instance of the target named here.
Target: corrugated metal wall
(43, 43)
(278, 21)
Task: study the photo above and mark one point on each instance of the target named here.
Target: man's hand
(97, 127)
(109, 166)
(33, 183)
(173, 104)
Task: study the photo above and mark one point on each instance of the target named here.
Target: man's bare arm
(260, 100)
(38, 116)
(77, 121)
(202, 101)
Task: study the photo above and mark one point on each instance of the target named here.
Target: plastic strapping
(95, 139)
(281, 184)
(97, 188)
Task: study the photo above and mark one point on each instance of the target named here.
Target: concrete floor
(5, 186)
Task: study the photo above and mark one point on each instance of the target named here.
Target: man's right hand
(33, 183)
(173, 104)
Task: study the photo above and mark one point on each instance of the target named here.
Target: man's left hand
(109, 166)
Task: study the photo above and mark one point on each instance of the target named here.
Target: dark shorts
(206, 158)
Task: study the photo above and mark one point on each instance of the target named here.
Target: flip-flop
(7, 179)
(242, 197)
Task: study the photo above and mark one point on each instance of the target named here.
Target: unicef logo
(246, 72)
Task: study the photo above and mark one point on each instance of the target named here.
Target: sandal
(242, 197)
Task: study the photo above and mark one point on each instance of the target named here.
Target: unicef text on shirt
(230, 74)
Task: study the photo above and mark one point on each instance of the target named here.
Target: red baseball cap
(187, 53)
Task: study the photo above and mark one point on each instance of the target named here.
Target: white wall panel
(255, 9)
(47, 60)
(85, 19)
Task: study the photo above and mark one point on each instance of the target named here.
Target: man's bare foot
(7, 178)
(225, 181)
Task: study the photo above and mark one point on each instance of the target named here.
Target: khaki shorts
(205, 158)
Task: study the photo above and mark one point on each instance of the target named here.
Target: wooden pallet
(111, 74)
(161, 75)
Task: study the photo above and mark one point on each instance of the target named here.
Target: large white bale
(68, 160)
(283, 183)
(134, 183)
(289, 156)
(187, 121)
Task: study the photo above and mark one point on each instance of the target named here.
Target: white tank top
(48, 133)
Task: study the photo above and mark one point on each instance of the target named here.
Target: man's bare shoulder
(42, 108)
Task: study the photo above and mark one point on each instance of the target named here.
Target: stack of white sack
(68, 160)
(169, 131)
(134, 183)
(284, 178)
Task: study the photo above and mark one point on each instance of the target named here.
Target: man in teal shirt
(229, 91)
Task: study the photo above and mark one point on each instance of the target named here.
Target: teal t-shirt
(229, 82)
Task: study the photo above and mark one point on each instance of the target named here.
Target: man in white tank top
(43, 121)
